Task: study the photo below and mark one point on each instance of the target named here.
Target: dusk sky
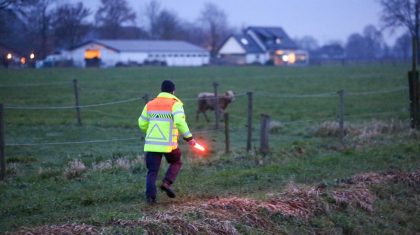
(326, 20)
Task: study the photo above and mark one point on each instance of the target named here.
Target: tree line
(44, 26)
(47, 25)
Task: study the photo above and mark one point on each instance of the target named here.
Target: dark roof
(274, 38)
(147, 45)
(248, 43)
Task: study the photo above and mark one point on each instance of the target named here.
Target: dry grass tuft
(356, 196)
(221, 215)
(329, 129)
(362, 131)
(76, 229)
(120, 163)
(74, 169)
(355, 192)
(102, 166)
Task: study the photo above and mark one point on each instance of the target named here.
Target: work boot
(151, 200)
(167, 188)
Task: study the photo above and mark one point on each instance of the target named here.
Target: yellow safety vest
(162, 119)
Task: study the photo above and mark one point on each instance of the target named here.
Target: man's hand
(192, 142)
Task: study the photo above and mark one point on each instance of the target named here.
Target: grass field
(45, 185)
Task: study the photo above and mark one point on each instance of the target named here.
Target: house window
(92, 54)
(278, 41)
(244, 41)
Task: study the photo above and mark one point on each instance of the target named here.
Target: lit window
(279, 52)
(91, 54)
(278, 41)
(9, 56)
(244, 41)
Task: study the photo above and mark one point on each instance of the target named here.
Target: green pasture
(37, 190)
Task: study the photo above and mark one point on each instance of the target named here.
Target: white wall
(138, 57)
(188, 59)
(257, 58)
(108, 57)
(232, 46)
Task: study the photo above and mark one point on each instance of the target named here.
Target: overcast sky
(326, 20)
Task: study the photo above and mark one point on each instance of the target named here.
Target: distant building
(262, 45)
(109, 53)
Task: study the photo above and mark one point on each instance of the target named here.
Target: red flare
(199, 147)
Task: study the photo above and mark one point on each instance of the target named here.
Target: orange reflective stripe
(161, 104)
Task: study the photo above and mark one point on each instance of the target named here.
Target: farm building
(109, 53)
(262, 45)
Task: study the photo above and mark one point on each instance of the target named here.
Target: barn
(262, 45)
(110, 53)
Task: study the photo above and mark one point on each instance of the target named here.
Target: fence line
(35, 84)
(319, 95)
(330, 94)
(402, 88)
(108, 114)
(93, 141)
(210, 98)
(195, 132)
(263, 94)
(373, 114)
(71, 142)
(72, 106)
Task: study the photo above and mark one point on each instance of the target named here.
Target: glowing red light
(199, 147)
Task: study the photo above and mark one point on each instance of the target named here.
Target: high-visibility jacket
(163, 119)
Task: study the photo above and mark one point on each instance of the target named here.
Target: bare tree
(374, 41)
(215, 24)
(15, 6)
(12, 20)
(167, 25)
(111, 16)
(69, 24)
(152, 12)
(308, 43)
(402, 13)
(402, 48)
(39, 21)
(398, 13)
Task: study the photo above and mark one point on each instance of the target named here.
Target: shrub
(74, 169)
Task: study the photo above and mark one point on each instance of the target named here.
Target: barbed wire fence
(264, 124)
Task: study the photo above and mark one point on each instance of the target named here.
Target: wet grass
(37, 191)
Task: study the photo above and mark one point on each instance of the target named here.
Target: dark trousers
(153, 161)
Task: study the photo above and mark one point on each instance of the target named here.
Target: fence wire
(70, 107)
(237, 117)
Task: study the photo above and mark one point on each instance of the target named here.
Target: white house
(261, 45)
(109, 53)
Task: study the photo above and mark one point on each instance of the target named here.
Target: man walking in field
(162, 120)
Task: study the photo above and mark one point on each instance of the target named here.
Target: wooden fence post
(76, 96)
(249, 125)
(2, 144)
(341, 113)
(413, 85)
(265, 121)
(417, 101)
(227, 137)
(216, 105)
